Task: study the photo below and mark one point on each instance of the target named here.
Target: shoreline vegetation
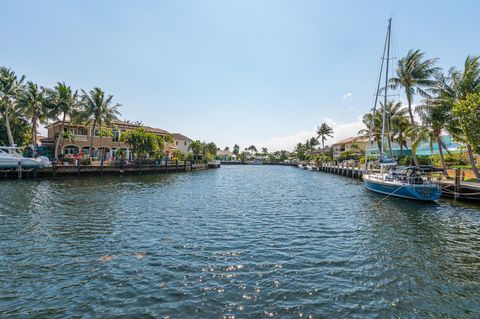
(449, 104)
(25, 105)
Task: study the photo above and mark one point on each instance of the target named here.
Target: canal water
(236, 242)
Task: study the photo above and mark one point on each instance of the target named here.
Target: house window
(176, 142)
(116, 135)
(185, 143)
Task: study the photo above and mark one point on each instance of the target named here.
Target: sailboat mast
(386, 87)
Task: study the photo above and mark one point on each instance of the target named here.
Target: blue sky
(247, 72)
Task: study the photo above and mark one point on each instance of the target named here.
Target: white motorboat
(10, 157)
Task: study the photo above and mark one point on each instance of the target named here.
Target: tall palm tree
(434, 116)
(97, 110)
(252, 148)
(264, 150)
(414, 74)
(395, 114)
(10, 88)
(32, 104)
(324, 131)
(236, 149)
(61, 101)
(377, 127)
(464, 83)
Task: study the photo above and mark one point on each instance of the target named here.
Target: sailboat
(405, 182)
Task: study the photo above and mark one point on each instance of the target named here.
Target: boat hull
(6, 163)
(421, 192)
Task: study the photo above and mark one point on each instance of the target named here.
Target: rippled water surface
(237, 242)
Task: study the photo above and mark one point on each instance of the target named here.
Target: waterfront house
(356, 144)
(105, 147)
(225, 156)
(181, 142)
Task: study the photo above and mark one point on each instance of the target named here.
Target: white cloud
(347, 96)
(288, 142)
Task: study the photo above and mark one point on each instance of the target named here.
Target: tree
(97, 110)
(264, 150)
(32, 104)
(61, 102)
(414, 74)
(324, 131)
(226, 149)
(464, 83)
(211, 148)
(10, 88)
(21, 131)
(236, 149)
(300, 150)
(144, 143)
(252, 148)
(468, 114)
(435, 115)
(196, 147)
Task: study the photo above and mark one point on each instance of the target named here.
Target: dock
(456, 188)
(100, 170)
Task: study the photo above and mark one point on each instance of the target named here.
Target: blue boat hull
(417, 192)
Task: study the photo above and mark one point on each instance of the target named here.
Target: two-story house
(356, 144)
(105, 147)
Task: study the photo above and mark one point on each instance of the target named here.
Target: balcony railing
(78, 137)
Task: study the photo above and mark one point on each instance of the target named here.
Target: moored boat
(10, 158)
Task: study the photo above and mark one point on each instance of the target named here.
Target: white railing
(77, 137)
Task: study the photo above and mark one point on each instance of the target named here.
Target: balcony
(77, 137)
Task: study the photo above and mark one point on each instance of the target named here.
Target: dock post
(191, 166)
(166, 165)
(122, 167)
(101, 167)
(139, 167)
(456, 190)
(155, 164)
(78, 167)
(185, 165)
(54, 169)
(176, 165)
(19, 170)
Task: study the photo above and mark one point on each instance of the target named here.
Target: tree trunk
(401, 144)
(442, 159)
(34, 135)
(90, 153)
(60, 136)
(471, 159)
(412, 120)
(7, 124)
(414, 157)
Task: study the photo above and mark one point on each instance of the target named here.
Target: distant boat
(10, 157)
(409, 182)
(256, 162)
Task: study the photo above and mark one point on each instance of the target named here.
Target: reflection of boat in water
(408, 182)
(405, 182)
(10, 157)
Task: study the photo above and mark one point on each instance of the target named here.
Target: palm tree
(226, 149)
(324, 131)
(196, 147)
(32, 104)
(376, 130)
(414, 73)
(264, 150)
(252, 148)
(434, 116)
(395, 114)
(236, 149)
(97, 110)
(10, 88)
(61, 101)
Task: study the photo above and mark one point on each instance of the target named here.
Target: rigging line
(375, 102)
(386, 89)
